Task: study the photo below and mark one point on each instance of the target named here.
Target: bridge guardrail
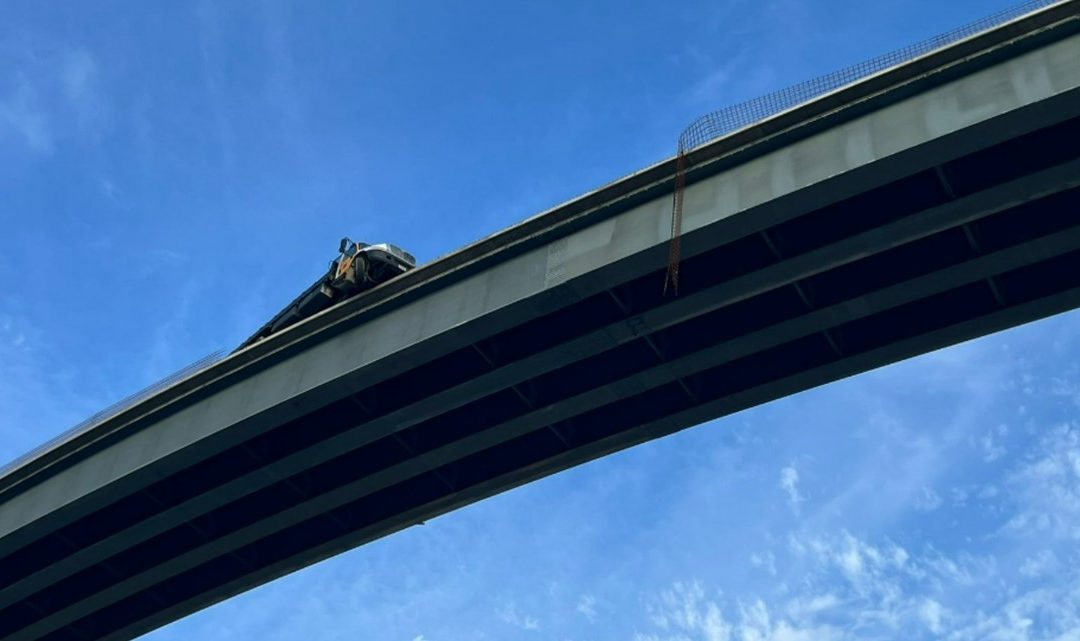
(728, 119)
(114, 409)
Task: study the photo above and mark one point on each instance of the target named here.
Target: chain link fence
(726, 120)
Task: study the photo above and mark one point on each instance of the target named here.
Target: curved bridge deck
(930, 204)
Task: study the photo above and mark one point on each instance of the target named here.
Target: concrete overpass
(929, 204)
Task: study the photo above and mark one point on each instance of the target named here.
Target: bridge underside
(968, 233)
(941, 255)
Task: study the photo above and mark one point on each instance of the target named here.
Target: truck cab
(358, 267)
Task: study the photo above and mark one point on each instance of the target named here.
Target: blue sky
(174, 172)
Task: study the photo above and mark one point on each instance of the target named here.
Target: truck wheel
(360, 268)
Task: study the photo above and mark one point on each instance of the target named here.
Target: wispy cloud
(167, 351)
(732, 81)
(836, 584)
(789, 483)
(1047, 487)
(509, 613)
(686, 612)
(54, 94)
(882, 592)
(79, 80)
(765, 561)
(37, 400)
(211, 47)
(22, 113)
(991, 443)
(927, 500)
(586, 606)
(684, 608)
(109, 189)
(1040, 564)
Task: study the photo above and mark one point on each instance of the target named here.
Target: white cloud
(765, 561)
(931, 613)
(1067, 388)
(1040, 564)
(803, 607)
(1047, 487)
(685, 612)
(1045, 613)
(958, 496)
(928, 500)
(109, 189)
(836, 584)
(655, 637)
(684, 609)
(789, 483)
(586, 606)
(991, 447)
(868, 571)
(850, 588)
(509, 613)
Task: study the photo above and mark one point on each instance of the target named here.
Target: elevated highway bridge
(928, 204)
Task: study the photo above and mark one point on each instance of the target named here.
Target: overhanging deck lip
(591, 207)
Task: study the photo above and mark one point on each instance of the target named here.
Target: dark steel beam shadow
(814, 377)
(951, 214)
(954, 213)
(975, 270)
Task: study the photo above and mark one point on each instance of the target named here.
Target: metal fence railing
(723, 121)
(728, 119)
(114, 409)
